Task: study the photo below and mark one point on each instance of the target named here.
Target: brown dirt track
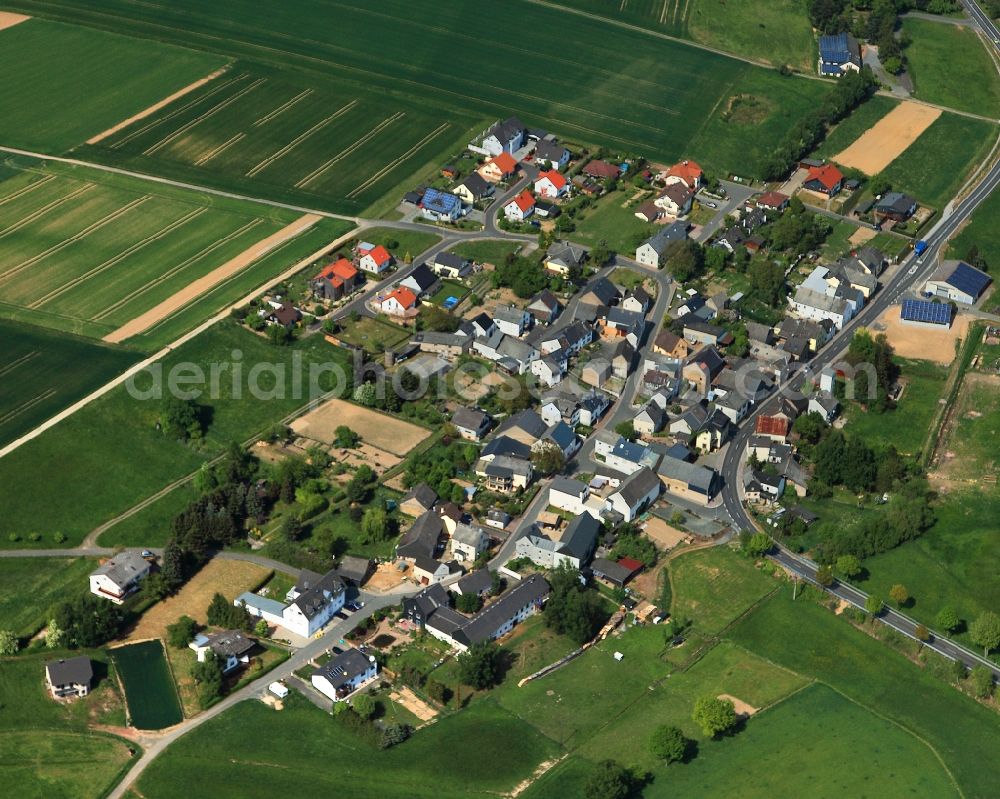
(8, 19)
(879, 146)
(378, 429)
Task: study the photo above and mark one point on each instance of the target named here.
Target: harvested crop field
(378, 429)
(917, 341)
(227, 577)
(886, 139)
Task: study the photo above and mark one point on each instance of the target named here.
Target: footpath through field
(196, 288)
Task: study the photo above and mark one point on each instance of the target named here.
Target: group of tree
(685, 260)
(437, 465)
(630, 542)
(874, 354)
(796, 231)
(228, 615)
(378, 524)
(87, 621)
(181, 419)
(548, 459)
(207, 675)
(181, 632)
(850, 91)
(609, 779)
(524, 276)
(571, 609)
(481, 666)
(715, 716)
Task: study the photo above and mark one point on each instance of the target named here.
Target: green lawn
(64, 84)
(713, 587)
(29, 587)
(775, 31)
(838, 242)
(950, 66)
(808, 639)
(908, 426)
(445, 761)
(616, 226)
(858, 122)
(401, 243)
(982, 231)
(486, 251)
(98, 448)
(150, 527)
(149, 689)
(941, 159)
(374, 335)
(46, 749)
(449, 288)
(42, 372)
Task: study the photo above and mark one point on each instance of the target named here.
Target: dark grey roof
(477, 185)
(470, 418)
(504, 445)
(580, 537)
(229, 643)
(666, 236)
(710, 357)
(446, 620)
(546, 298)
(72, 671)
(562, 435)
(567, 485)
(550, 150)
(528, 421)
(895, 201)
(427, 601)
(450, 259)
(123, 568)
(475, 582)
(507, 129)
(354, 568)
(604, 290)
(423, 277)
(313, 592)
(423, 494)
(697, 477)
(422, 538)
(609, 569)
(484, 624)
(638, 486)
(343, 668)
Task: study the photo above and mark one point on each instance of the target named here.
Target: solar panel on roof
(923, 311)
(968, 280)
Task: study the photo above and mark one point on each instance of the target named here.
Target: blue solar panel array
(968, 280)
(923, 311)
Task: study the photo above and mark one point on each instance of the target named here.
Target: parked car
(356, 605)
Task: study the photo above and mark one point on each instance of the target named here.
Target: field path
(198, 287)
(155, 106)
(8, 19)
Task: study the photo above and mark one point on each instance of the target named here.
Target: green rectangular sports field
(149, 689)
(63, 84)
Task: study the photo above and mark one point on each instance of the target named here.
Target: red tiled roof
(688, 171)
(342, 269)
(602, 169)
(505, 162)
(554, 177)
(828, 175)
(772, 426)
(631, 564)
(772, 199)
(524, 200)
(403, 296)
(380, 255)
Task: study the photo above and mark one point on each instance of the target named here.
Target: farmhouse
(335, 280)
(502, 167)
(440, 206)
(344, 674)
(428, 571)
(70, 677)
(374, 259)
(651, 251)
(398, 302)
(957, 281)
(421, 540)
(839, 54)
(825, 179)
(688, 480)
(551, 184)
(421, 498)
(473, 189)
(119, 576)
(521, 207)
(310, 603)
(229, 646)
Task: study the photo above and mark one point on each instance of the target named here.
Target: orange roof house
(399, 301)
(826, 179)
(500, 167)
(686, 172)
(772, 426)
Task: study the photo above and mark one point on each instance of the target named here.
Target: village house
(497, 169)
(564, 258)
(671, 345)
(544, 307)
(636, 300)
(119, 576)
(525, 427)
(773, 201)
(636, 494)
(650, 420)
(702, 368)
(651, 252)
(551, 184)
(428, 571)
(230, 647)
(420, 499)
(473, 189)
(601, 170)
(471, 423)
(573, 549)
(441, 206)
(309, 604)
(628, 457)
(70, 677)
(762, 487)
(551, 154)
(615, 574)
(548, 370)
(894, 205)
(507, 136)
(511, 320)
(344, 674)
(569, 495)
(446, 264)
(687, 173)
(373, 258)
(280, 313)
(714, 431)
(825, 179)
(688, 480)
(838, 54)
(497, 518)
(520, 208)
(675, 199)
(335, 280)
(475, 583)
(399, 302)
(468, 542)
(421, 280)
(621, 324)
(423, 539)
(504, 474)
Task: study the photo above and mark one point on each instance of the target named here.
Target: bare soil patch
(742, 708)
(861, 235)
(154, 107)
(385, 578)
(918, 342)
(8, 19)
(664, 535)
(227, 577)
(198, 287)
(879, 146)
(417, 706)
(377, 459)
(378, 429)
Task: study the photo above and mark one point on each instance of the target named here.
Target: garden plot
(378, 429)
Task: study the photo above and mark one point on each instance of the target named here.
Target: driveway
(738, 193)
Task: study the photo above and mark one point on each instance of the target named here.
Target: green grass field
(982, 231)
(666, 16)
(941, 159)
(97, 448)
(713, 587)
(64, 84)
(87, 251)
(374, 335)
(486, 251)
(29, 587)
(46, 748)
(672, 90)
(858, 122)
(908, 426)
(445, 760)
(950, 66)
(810, 640)
(617, 227)
(149, 689)
(43, 372)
